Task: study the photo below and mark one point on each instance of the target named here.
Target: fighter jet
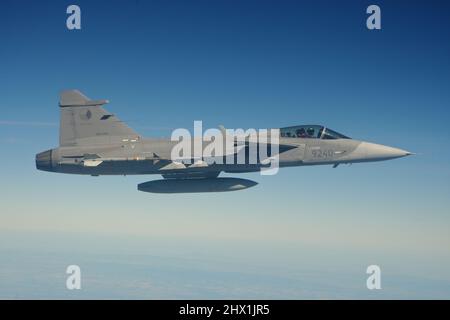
(93, 141)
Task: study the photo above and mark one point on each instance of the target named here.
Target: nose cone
(44, 160)
(375, 152)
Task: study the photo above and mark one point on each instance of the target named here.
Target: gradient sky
(303, 233)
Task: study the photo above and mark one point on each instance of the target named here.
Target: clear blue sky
(306, 232)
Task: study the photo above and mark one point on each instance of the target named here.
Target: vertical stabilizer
(84, 121)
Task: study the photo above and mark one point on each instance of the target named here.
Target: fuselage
(152, 156)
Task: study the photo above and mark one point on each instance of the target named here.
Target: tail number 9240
(322, 154)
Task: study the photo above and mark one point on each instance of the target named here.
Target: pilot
(310, 132)
(301, 133)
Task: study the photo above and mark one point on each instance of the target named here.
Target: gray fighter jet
(95, 142)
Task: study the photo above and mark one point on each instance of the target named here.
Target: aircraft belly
(119, 167)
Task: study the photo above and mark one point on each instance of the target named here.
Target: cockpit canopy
(310, 131)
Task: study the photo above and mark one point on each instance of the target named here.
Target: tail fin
(84, 121)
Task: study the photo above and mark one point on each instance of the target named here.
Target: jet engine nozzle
(44, 161)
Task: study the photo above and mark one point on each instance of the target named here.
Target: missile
(196, 185)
